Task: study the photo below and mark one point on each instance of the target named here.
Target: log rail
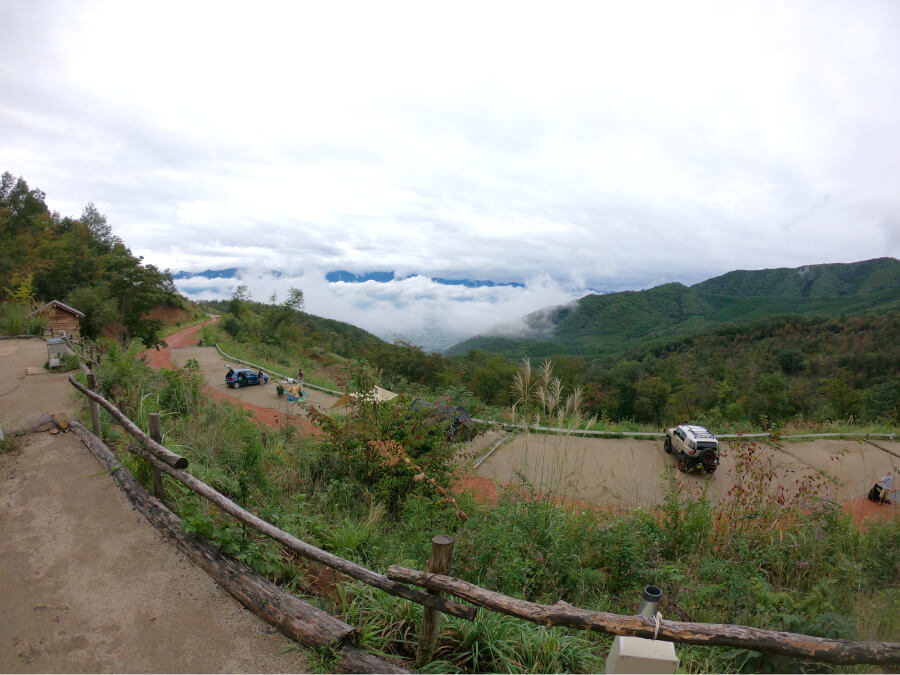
(843, 652)
(795, 645)
(149, 450)
(158, 451)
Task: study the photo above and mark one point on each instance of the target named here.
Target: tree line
(761, 372)
(79, 261)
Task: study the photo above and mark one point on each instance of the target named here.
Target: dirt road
(261, 400)
(611, 472)
(630, 472)
(86, 584)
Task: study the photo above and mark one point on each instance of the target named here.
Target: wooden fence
(316, 629)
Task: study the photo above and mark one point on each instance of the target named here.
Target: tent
(377, 394)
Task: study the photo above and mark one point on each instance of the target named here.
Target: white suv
(693, 446)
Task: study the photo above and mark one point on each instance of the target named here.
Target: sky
(568, 147)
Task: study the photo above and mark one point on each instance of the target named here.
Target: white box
(639, 655)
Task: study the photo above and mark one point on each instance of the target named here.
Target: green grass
(275, 358)
(14, 320)
(195, 319)
(798, 566)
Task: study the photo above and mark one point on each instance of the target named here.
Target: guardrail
(582, 432)
(660, 434)
(275, 372)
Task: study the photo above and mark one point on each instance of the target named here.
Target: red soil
(162, 358)
(863, 511)
(860, 509)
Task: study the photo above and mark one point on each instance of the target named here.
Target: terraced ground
(612, 472)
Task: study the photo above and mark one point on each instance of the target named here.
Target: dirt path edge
(295, 618)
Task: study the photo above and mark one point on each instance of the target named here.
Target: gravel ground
(86, 584)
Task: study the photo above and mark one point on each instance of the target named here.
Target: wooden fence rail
(842, 652)
(294, 617)
(148, 451)
(157, 450)
(560, 614)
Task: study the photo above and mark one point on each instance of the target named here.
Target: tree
(96, 305)
(136, 289)
(239, 298)
(652, 397)
(21, 290)
(294, 300)
(7, 183)
(846, 402)
(97, 225)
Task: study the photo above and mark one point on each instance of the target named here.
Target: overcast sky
(602, 145)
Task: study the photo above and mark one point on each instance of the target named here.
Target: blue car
(243, 377)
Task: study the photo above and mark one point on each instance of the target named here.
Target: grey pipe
(650, 601)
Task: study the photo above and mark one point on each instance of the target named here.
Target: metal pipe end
(652, 593)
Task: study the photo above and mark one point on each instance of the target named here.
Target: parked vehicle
(243, 377)
(694, 447)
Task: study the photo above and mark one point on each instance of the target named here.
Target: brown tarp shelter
(377, 394)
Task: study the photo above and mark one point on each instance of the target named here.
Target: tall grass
(14, 320)
(770, 559)
(549, 465)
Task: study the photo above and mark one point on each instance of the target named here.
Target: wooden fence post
(95, 407)
(438, 563)
(156, 435)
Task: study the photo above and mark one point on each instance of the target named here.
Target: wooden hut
(61, 318)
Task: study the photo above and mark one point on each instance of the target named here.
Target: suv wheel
(237, 384)
(681, 463)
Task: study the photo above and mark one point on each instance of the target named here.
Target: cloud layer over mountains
(564, 147)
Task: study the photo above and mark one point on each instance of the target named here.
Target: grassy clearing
(278, 358)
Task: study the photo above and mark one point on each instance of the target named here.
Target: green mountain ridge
(602, 325)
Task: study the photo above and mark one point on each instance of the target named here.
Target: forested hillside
(78, 261)
(811, 281)
(717, 352)
(604, 325)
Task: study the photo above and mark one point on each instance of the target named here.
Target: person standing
(300, 377)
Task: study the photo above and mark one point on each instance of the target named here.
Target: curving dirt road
(261, 400)
(609, 472)
(86, 584)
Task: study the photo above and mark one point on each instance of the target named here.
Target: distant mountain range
(602, 325)
(338, 276)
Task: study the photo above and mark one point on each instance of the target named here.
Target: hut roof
(60, 305)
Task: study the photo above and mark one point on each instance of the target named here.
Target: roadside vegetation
(782, 375)
(777, 560)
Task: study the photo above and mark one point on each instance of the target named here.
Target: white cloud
(609, 145)
(431, 314)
